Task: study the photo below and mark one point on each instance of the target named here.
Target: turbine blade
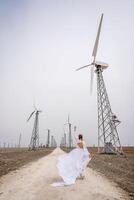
(97, 39)
(83, 67)
(30, 116)
(91, 79)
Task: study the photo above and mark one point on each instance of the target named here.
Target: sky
(42, 42)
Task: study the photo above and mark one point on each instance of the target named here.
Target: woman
(72, 164)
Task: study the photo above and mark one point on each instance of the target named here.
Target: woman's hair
(80, 136)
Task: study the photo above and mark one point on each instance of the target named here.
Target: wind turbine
(108, 139)
(54, 143)
(70, 132)
(34, 142)
(19, 144)
(48, 138)
(64, 138)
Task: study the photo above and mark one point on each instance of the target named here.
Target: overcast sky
(42, 42)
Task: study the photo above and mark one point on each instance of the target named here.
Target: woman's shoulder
(81, 141)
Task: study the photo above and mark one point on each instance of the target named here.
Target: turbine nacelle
(34, 112)
(38, 111)
(101, 64)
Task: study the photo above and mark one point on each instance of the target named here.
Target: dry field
(13, 158)
(119, 169)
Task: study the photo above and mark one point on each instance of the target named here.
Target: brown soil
(33, 182)
(13, 158)
(119, 169)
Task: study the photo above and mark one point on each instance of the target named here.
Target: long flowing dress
(72, 164)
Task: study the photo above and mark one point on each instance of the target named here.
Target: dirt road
(32, 182)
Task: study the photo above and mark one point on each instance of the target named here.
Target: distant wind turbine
(34, 142)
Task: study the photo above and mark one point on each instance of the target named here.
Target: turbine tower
(70, 132)
(19, 144)
(54, 143)
(108, 138)
(65, 139)
(48, 138)
(34, 142)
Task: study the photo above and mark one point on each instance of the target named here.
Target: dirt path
(32, 182)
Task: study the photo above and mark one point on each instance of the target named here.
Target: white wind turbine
(108, 139)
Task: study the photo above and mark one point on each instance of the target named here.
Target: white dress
(72, 164)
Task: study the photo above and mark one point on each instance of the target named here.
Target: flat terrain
(118, 169)
(33, 182)
(13, 158)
